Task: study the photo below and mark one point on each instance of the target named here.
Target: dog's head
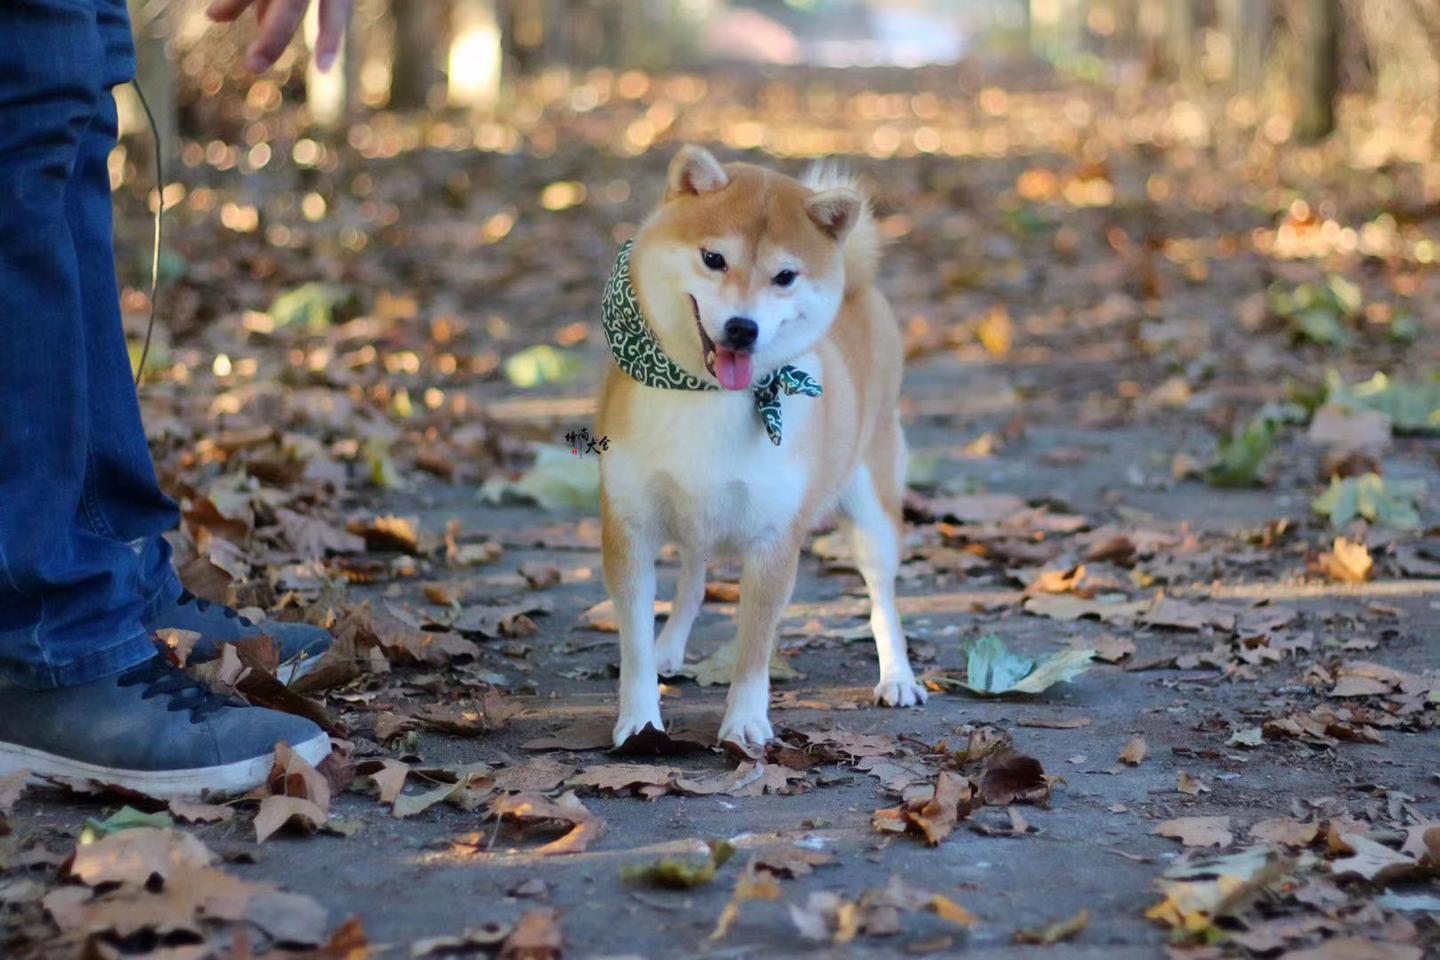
(741, 269)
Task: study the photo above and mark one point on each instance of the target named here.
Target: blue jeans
(82, 560)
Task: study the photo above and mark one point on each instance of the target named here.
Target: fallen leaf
(483, 939)
(992, 670)
(537, 936)
(389, 533)
(1135, 751)
(133, 857)
(1011, 777)
(1285, 831)
(718, 668)
(277, 811)
(1371, 860)
(1197, 831)
(935, 817)
(194, 812)
(674, 874)
(753, 884)
(1055, 932)
(1200, 892)
(531, 810)
(1355, 948)
(1347, 562)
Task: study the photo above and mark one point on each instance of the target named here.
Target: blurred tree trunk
(414, 71)
(1247, 24)
(476, 54)
(1318, 36)
(329, 96)
(154, 74)
(1427, 15)
(523, 35)
(1182, 41)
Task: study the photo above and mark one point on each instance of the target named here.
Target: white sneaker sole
(218, 781)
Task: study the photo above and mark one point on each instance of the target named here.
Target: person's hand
(278, 20)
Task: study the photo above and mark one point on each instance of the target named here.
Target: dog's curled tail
(862, 243)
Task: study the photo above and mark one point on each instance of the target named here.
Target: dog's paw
(900, 692)
(747, 732)
(630, 724)
(669, 662)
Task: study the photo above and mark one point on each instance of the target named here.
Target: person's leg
(83, 690)
(69, 612)
(122, 494)
(123, 500)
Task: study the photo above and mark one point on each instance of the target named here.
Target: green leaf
(311, 305)
(560, 480)
(127, 818)
(1239, 459)
(991, 669)
(1368, 496)
(1412, 406)
(719, 667)
(542, 364)
(675, 874)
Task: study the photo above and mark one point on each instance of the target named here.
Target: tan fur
(854, 424)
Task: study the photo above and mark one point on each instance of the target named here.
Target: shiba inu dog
(753, 390)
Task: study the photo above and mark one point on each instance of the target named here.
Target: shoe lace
(163, 679)
(204, 605)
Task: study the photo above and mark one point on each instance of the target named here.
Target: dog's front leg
(766, 582)
(630, 578)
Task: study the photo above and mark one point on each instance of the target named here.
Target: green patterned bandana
(637, 351)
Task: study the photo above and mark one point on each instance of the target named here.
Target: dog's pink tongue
(732, 369)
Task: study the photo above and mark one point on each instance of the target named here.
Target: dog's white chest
(704, 473)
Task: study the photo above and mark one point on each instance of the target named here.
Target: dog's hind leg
(873, 520)
(689, 594)
(630, 579)
(766, 582)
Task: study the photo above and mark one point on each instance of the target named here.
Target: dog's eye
(712, 259)
(784, 278)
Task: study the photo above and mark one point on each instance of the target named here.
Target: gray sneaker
(301, 645)
(152, 728)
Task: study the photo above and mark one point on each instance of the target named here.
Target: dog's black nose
(740, 333)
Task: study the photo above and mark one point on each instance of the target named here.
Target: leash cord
(159, 210)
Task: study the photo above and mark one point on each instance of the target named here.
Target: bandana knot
(638, 352)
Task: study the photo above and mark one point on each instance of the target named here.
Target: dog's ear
(835, 211)
(694, 170)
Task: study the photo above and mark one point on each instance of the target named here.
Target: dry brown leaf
(1011, 777)
(934, 818)
(1135, 751)
(625, 777)
(1285, 831)
(388, 775)
(11, 787)
(540, 775)
(532, 810)
(389, 533)
(537, 936)
(1355, 948)
(133, 857)
(1049, 933)
(1057, 581)
(791, 861)
(193, 812)
(1347, 562)
(1372, 860)
(292, 776)
(310, 536)
(1197, 831)
(277, 811)
(753, 883)
(540, 576)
